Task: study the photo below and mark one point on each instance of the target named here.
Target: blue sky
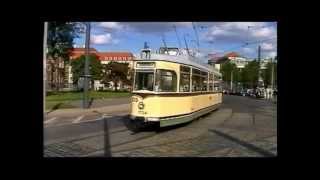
(214, 37)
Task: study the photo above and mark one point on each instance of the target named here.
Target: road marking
(50, 120)
(106, 116)
(78, 119)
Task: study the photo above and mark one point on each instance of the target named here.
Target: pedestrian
(269, 94)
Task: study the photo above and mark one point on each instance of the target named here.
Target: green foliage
(116, 72)
(250, 74)
(266, 74)
(60, 39)
(60, 100)
(95, 68)
(228, 69)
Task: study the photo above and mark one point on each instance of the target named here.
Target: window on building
(124, 58)
(166, 81)
(184, 79)
(196, 80)
(120, 58)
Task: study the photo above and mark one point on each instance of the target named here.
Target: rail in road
(198, 138)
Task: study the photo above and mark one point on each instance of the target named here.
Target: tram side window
(144, 81)
(204, 81)
(166, 81)
(196, 80)
(184, 79)
(210, 82)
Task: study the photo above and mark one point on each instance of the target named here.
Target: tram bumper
(144, 119)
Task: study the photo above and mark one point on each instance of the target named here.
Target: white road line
(78, 119)
(106, 116)
(50, 120)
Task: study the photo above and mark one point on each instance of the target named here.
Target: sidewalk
(98, 107)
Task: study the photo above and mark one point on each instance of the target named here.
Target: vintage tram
(170, 88)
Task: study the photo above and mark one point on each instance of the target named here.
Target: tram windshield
(166, 81)
(144, 81)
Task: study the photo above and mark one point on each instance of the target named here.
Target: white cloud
(238, 32)
(247, 50)
(264, 32)
(271, 54)
(267, 46)
(111, 25)
(156, 27)
(103, 39)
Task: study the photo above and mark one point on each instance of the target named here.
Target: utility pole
(196, 33)
(259, 62)
(259, 54)
(175, 29)
(45, 33)
(86, 69)
(272, 74)
(185, 41)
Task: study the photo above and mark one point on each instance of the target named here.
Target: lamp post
(45, 62)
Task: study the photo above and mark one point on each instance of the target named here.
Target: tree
(266, 74)
(226, 69)
(60, 41)
(229, 68)
(250, 74)
(95, 68)
(116, 72)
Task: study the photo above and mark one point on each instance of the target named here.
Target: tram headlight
(140, 105)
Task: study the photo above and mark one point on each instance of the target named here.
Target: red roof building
(232, 54)
(103, 56)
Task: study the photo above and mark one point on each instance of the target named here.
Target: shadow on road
(243, 143)
(55, 107)
(107, 147)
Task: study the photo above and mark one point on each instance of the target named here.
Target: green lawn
(61, 99)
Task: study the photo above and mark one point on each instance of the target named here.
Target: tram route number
(142, 112)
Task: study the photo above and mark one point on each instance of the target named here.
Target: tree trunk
(92, 84)
(115, 85)
(57, 75)
(52, 76)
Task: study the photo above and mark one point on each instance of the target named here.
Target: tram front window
(166, 81)
(144, 81)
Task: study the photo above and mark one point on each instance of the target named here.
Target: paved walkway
(103, 107)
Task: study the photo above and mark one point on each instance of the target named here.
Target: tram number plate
(142, 112)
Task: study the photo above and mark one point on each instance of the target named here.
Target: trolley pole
(86, 69)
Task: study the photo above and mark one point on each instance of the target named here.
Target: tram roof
(181, 59)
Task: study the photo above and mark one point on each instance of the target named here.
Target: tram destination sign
(145, 65)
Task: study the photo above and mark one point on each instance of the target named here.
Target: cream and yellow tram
(172, 89)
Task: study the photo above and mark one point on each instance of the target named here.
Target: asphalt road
(242, 126)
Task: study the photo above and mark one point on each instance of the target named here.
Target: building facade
(235, 58)
(105, 58)
(59, 73)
